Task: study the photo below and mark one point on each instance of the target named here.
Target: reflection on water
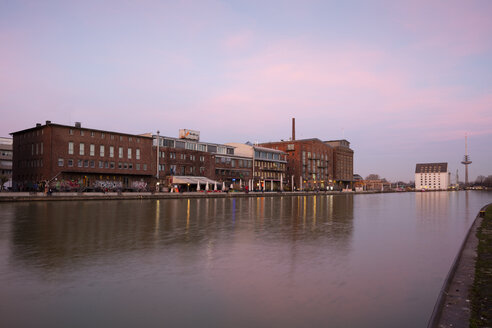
(371, 260)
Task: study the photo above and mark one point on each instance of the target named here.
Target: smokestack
(293, 128)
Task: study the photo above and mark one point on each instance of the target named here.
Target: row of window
(233, 162)
(31, 134)
(36, 148)
(34, 163)
(101, 164)
(268, 155)
(181, 170)
(191, 145)
(232, 173)
(103, 135)
(181, 156)
(270, 165)
(102, 149)
(269, 175)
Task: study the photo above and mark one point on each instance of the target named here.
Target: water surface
(374, 260)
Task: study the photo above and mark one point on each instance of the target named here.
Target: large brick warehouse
(69, 158)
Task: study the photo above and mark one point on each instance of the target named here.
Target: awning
(184, 179)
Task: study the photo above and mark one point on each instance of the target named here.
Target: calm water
(317, 261)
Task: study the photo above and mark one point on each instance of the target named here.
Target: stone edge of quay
(453, 308)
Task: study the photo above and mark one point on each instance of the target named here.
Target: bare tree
(480, 180)
(373, 176)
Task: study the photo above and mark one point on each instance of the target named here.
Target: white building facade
(432, 176)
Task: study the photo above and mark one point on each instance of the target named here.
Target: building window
(70, 131)
(129, 153)
(120, 152)
(70, 163)
(80, 163)
(92, 133)
(137, 153)
(81, 149)
(101, 150)
(106, 164)
(102, 135)
(121, 138)
(137, 166)
(120, 165)
(60, 162)
(86, 163)
(92, 150)
(145, 167)
(70, 148)
(202, 158)
(101, 164)
(82, 132)
(93, 164)
(130, 166)
(111, 165)
(111, 151)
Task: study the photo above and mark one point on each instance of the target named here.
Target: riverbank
(67, 196)
(481, 296)
(466, 297)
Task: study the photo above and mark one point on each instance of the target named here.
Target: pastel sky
(403, 81)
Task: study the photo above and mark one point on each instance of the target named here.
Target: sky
(403, 81)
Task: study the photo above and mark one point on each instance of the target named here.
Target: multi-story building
(189, 161)
(432, 176)
(269, 166)
(77, 158)
(5, 163)
(309, 163)
(343, 162)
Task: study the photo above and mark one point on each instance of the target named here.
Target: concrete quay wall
(66, 196)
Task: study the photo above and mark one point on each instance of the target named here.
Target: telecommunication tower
(466, 160)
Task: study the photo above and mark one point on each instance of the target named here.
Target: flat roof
(431, 168)
(76, 127)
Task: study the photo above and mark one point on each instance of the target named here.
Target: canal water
(376, 260)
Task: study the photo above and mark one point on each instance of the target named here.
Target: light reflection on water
(365, 260)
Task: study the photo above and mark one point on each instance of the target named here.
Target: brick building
(309, 163)
(343, 162)
(78, 158)
(188, 161)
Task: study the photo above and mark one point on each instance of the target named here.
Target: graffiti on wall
(139, 185)
(107, 185)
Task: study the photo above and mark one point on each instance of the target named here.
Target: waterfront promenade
(59, 196)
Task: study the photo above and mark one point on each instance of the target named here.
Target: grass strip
(481, 293)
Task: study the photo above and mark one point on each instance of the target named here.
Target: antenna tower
(466, 160)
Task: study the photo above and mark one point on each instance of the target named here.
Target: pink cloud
(363, 85)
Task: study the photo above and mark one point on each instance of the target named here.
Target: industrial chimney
(293, 128)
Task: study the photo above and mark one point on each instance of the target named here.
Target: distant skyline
(403, 81)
